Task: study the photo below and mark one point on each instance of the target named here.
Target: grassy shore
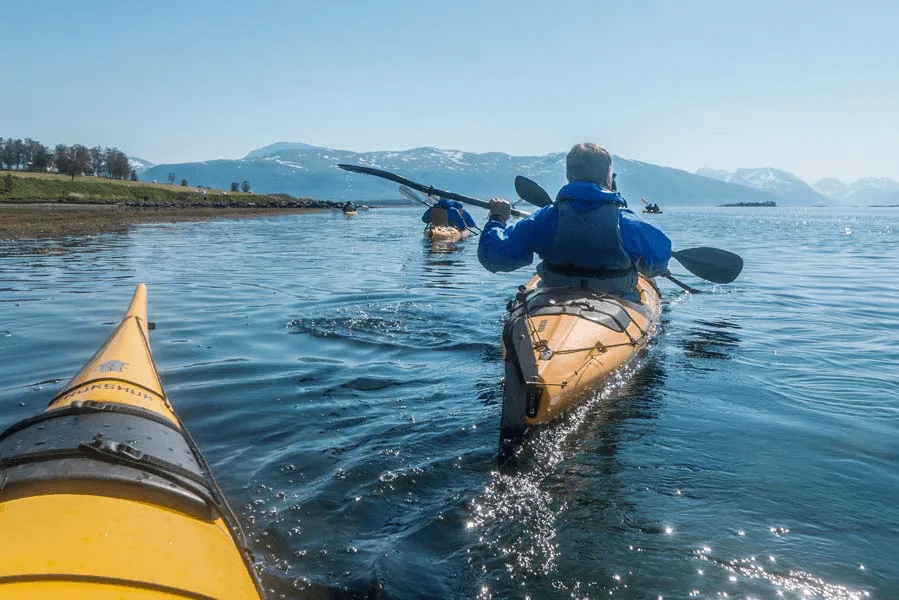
(46, 205)
(23, 187)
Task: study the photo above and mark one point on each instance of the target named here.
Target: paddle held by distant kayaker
(586, 239)
(455, 214)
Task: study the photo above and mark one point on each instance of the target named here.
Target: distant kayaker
(349, 207)
(586, 239)
(456, 215)
(614, 187)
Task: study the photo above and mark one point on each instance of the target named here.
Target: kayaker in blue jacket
(586, 239)
(456, 214)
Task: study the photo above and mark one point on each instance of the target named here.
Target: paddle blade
(711, 264)
(530, 191)
(411, 195)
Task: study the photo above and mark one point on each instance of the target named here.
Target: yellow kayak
(105, 495)
(560, 344)
(349, 213)
(445, 233)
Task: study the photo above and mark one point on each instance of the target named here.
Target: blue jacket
(504, 248)
(453, 209)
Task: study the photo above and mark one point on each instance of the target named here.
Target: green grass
(42, 187)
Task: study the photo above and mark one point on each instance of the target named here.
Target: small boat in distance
(650, 208)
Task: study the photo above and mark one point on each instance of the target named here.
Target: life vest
(588, 237)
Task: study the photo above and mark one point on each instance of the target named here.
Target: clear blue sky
(807, 86)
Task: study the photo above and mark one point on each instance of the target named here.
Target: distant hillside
(787, 187)
(300, 170)
(280, 147)
(862, 192)
(833, 189)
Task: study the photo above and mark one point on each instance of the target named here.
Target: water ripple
(343, 378)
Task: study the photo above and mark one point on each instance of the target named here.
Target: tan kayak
(446, 234)
(560, 344)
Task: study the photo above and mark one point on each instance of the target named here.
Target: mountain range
(863, 192)
(304, 170)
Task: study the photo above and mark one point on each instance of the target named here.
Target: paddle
(711, 264)
(530, 191)
(410, 195)
(429, 189)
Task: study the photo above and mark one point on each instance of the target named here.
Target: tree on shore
(171, 178)
(10, 153)
(16, 153)
(245, 186)
(31, 155)
(234, 186)
(133, 175)
(82, 157)
(184, 183)
(117, 165)
(62, 156)
(42, 160)
(98, 161)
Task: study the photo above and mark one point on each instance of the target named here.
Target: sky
(809, 86)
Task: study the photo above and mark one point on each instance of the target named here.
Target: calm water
(343, 380)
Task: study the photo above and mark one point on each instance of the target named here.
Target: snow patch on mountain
(139, 164)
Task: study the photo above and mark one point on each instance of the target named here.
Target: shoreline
(49, 219)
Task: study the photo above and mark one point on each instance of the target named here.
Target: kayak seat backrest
(99, 449)
(439, 217)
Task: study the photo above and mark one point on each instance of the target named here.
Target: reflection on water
(538, 512)
(343, 379)
(712, 339)
(445, 247)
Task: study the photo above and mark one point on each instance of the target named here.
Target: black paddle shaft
(427, 189)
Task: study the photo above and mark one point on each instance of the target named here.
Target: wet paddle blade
(530, 191)
(411, 195)
(711, 264)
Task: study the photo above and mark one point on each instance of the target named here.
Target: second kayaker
(586, 239)
(456, 215)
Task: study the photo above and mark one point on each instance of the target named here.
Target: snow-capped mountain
(832, 188)
(281, 147)
(719, 174)
(862, 192)
(312, 172)
(783, 184)
(139, 164)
